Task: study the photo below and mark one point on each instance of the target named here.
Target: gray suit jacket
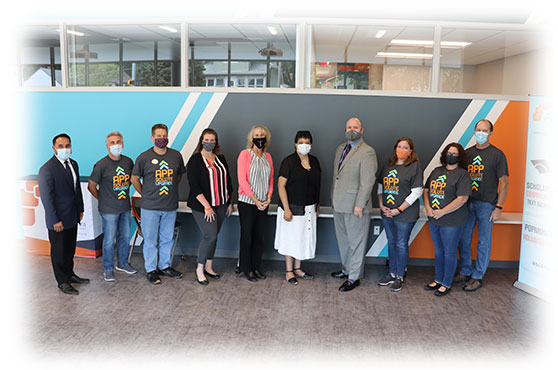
(353, 181)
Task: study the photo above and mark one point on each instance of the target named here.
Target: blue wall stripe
(470, 131)
(191, 120)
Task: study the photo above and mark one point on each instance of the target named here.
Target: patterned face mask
(161, 142)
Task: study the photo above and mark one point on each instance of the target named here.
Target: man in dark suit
(63, 202)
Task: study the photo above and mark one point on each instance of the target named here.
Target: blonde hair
(250, 144)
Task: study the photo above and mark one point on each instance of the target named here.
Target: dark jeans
(209, 230)
(398, 234)
(252, 224)
(445, 239)
(62, 250)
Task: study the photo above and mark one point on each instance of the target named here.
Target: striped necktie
(344, 154)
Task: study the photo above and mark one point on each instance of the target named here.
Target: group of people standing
(452, 200)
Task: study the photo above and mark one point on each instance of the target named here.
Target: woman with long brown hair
(209, 198)
(399, 189)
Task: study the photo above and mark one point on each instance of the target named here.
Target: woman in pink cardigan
(255, 187)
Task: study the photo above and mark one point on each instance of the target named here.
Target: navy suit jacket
(59, 199)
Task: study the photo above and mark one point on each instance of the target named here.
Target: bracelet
(207, 209)
(399, 209)
(499, 207)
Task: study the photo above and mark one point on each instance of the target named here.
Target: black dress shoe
(68, 289)
(339, 275)
(77, 280)
(237, 270)
(347, 285)
(215, 276)
(259, 275)
(250, 276)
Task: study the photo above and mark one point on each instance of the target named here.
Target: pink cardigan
(243, 173)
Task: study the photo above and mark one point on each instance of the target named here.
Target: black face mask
(260, 142)
(451, 159)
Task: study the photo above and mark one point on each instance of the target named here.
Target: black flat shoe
(250, 277)
(430, 288)
(339, 274)
(202, 282)
(77, 280)
(306, 275)
(259, 275)
(215, 276)
(66, 288)
(237, 270)
(438, 293)
(291, 280)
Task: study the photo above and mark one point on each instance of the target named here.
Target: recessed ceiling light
(430, 43)
(380, 34)
(403, 55)
(76, 33)
(170, 29)
(272, 30)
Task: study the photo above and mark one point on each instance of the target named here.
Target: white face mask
(303, 148)
(116, 150)
(63, 154)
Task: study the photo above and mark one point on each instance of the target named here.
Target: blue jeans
(445, 239)
(479, 212)
(398, 234)
(157, 226)
(116, 230)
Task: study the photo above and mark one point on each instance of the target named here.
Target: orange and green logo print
(437, 191)
(163, 177)
(121, 183)
(475, 170)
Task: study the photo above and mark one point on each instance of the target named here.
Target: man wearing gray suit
(354, 175)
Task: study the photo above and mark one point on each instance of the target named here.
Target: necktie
(68, 170)
(344, 154)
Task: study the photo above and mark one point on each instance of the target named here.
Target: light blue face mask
(116, 150)
(63, 154)
(481, 137)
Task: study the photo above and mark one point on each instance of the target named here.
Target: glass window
(124, 55)
(371, 57)
(239, 53)
(39, 56)
(490, 61)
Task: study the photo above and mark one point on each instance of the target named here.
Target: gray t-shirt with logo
(397, 182)
(160, 179)
(443, 187)
(485, 167)
(113, 178)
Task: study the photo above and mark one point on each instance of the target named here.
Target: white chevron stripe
(203, 123)
(493, 116)
(182, 115)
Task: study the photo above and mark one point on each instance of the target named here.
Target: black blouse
(303, 186)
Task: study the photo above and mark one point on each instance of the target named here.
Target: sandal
(431, 287)
(291, 280)
(305, 276)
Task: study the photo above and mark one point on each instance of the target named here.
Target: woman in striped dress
(209, 198)
(255, 187)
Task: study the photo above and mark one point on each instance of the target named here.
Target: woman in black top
(209, 198)
(299, 191)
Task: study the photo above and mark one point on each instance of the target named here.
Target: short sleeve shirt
(303, 186)
(160, 178)
(113, 178)
(397, 182)
(443, 187)
(485, 167)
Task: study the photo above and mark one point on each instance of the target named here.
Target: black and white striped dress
(260, 170)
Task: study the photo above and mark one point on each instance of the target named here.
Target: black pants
(62, 250)
(252, 224)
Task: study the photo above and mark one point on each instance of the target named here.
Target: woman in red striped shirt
(209, 198)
